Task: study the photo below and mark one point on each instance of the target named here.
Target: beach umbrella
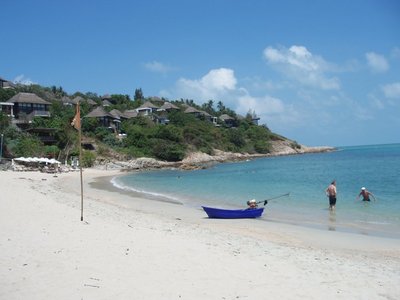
(54, 161)
(21, 159)
(45, 160)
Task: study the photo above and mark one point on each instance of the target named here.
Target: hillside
(117, 129)
(200, 160)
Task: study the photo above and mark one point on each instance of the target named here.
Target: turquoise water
(304, 177)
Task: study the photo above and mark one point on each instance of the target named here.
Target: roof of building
(130, 114)
(78, 99)
(99, 112)
(168, 105)
(91, 102)
(27, 98)
(147, 104)
(190, 110)
(106, 103)
(226, 117)
(116, 113)
(66, 100)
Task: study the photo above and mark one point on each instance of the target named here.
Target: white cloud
(377, 103)
(301, 65)
(395, 53)
(213, 85)
(157, 67)
(271, 110)
(221, 85)
(392, 90)
(266, 105)
(376, 62)
(22, 80)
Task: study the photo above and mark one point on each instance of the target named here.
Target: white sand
(131, 248)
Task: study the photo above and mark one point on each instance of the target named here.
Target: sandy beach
(129, 247)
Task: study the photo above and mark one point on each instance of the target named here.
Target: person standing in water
(365, 194)
(331, 194)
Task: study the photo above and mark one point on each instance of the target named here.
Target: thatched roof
(78, 99)
(27, 98)
(106, 103)
(168, 106)
(116, 113)
(82, 100)
(6, 84)
(99, 112)
(130, 114)
(226, 117)
(205, 113)
(147, 104)
(191, 110)
(91, 102)
(66, 100)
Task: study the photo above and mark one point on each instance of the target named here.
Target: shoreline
(126, 241)
(281, 217)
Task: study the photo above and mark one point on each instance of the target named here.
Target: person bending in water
(365, 194)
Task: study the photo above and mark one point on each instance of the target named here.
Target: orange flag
(76, 122)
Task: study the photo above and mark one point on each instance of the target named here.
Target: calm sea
(304, 177)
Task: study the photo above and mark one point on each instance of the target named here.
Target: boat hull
(220, 213)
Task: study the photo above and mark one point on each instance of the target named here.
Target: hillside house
(193, 111)
(227, 120)
(105, 118)
(67, 101)
(106, 103)
(28, 105)
(5, 84)
(168, 107)
(128, 114)
(7, 109)
(147, 109)
(83, 100)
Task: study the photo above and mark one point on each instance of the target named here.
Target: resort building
(26, 106)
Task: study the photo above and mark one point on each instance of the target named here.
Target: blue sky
(318, 72)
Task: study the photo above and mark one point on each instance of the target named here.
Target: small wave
(121, 186)
(372, 222)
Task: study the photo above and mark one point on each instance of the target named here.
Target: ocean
(295, 187)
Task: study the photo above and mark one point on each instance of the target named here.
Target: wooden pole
(80, 169)
(76, 122)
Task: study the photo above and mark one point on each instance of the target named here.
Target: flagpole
(80, 167)
(76, 122)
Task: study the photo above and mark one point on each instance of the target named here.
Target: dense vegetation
(142, 137)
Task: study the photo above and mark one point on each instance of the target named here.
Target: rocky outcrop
(141, 163)
(281, 147)
(288, 147)
(200, 160)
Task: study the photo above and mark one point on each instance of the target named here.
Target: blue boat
(220, 213)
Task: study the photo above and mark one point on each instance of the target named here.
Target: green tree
(6, 94)
(27, 145)
(237, 138)
(4, 121)
(169, 133)
(167, 150)
(138, 94)
(220, 106)
(88, 159)
(208, 107)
